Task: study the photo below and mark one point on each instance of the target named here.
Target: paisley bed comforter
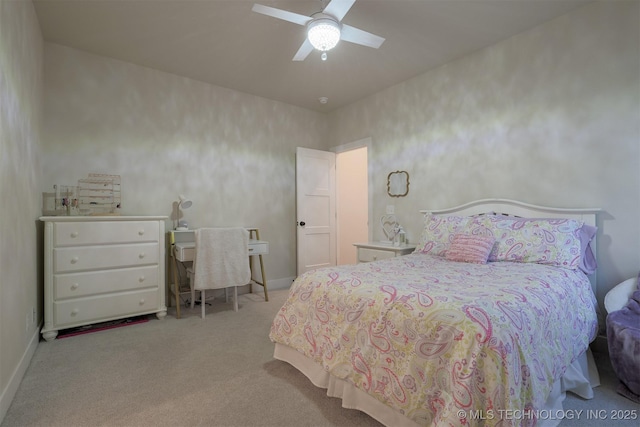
(439, 341)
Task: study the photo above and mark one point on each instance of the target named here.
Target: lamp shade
(184, 202)
(323, 34)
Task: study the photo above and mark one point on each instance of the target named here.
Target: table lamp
(183, 203)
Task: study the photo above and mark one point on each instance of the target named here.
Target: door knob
(302, 223)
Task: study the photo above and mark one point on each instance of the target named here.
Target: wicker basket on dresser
(98, 269)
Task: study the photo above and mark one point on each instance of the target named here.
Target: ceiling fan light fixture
(323, 34)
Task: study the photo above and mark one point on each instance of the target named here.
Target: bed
(488, 322)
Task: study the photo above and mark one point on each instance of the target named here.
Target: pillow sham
(544, 241)
(552, 241)
(470, 248)
(438, 231)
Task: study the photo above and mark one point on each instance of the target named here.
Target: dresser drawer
(74, 285)
(100, 308)
(98, 257)
(368, 255)
(185, 252)
(104, 232)
(258, 247)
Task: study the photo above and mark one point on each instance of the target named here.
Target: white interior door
(315, 208)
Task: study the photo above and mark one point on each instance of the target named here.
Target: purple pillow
(587, 259)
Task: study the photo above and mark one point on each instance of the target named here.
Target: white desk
(183, 246)
(185, 251)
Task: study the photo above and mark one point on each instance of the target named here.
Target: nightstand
(376, 251)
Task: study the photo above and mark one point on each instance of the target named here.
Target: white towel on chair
(222, 258)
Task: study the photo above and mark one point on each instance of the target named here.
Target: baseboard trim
(10, 390)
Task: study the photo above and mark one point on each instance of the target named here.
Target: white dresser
(368, 252)
(98, 269)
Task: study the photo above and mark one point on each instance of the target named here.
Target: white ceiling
(224, 43)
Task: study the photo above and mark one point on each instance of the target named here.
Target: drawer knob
(141, 279)
(142, 255)
(375, 257)
(141, 233)
(74, 260)
(74, 286)
(74, 234)
(142, 301)
(75, 311)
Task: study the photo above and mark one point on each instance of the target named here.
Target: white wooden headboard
(524, 210)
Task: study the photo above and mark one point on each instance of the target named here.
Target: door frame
(354, 145)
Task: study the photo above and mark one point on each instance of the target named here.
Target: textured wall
(20, 182)
(233, 154)
(550, 117)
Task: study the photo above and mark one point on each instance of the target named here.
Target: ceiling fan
(324, 29)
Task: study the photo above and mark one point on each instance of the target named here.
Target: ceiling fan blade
(354, 35)
(281, 14)
(338, 8)
(304, 51)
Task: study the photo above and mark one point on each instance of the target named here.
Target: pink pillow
(470, 248)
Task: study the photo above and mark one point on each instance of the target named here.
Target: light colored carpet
(218, 371)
